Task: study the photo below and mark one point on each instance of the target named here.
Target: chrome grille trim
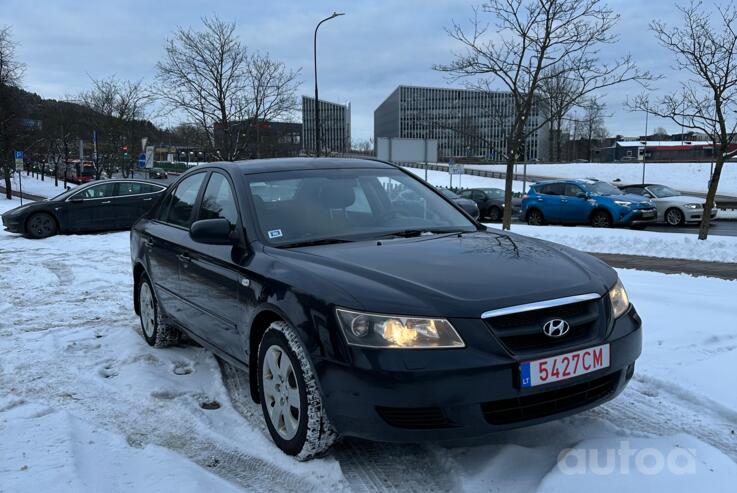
(539, 305)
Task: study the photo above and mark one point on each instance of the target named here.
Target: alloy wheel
(148, 310)
(41, 225)
(674, 217)
(281, 392)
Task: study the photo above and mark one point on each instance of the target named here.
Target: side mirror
(211, 232)
(582, 195)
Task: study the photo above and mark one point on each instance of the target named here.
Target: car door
(574, 208)
(132, 200)
(210, 275)
(548, 200)
(164, 240)
(91, 208)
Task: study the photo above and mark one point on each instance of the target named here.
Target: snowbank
(633, 242)
(35, 186)
(442, 179)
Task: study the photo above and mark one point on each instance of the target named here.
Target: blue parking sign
(18, 155)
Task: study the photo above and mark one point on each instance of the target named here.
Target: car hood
(25, 208)
(629, 197)
(464, 202)
(682, 199)
(451, 275)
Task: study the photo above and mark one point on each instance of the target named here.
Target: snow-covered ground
(36, 186)
(442, 179)
(633, 242)
(86, 405)
(693, 177)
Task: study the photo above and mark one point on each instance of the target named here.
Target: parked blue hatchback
(585, 202)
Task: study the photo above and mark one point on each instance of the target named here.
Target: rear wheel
(674, 217)
(41, 225)
(495, 213)
(156, 331)
(535, 217)
(601, 219)
(290, 398)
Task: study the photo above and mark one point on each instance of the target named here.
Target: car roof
(578, 181)
(253, 166)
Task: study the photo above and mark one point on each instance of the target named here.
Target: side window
(96, 192)
(467, 194)
(635, 190)
(478, 195)
(361, 203)
(572, 190)
(552, 189)
(179, 209)
(218, 200)
(136, 188)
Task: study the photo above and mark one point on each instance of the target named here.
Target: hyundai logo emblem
(556, 328)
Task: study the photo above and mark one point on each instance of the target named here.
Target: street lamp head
(336, 14)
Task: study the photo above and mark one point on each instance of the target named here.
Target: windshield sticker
(275, 233)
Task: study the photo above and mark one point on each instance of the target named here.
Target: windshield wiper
(321, 241)
(410, 233)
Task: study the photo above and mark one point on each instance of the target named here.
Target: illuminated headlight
(692, 206)
(388, 331)
(619, 299)
(623, 203)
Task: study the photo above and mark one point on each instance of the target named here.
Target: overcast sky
(363, 56)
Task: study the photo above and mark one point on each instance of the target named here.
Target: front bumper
(433, 395)
(12, 224)
(637, 217)
(695, 215)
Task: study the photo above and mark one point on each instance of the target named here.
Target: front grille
(415, 418)
(522, 332)
(547, 403)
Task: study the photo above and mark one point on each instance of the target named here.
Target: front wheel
(674, 217)
(495, 213)
(290, 398)
(535, 218)
(41, 225)
(601, 219)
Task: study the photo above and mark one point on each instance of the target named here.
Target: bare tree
(705, 47)
(532, 41)
(559, 95)
(592, 124)
(11, 73)
(117, 105)
(660, 133)
(210, 76)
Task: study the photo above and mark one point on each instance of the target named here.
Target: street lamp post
(317, 104)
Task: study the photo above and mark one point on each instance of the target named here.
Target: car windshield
(321, 206)
(661, 191)
(494, 193)
(602, 188)
(66, 193)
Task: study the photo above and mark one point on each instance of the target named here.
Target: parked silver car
(673, 208)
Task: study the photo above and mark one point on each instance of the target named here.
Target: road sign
(149, 157)
(142, 160)
(455, 169)
(19, 160)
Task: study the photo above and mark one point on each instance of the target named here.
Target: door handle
(539, 199)
(564, 201)
(146, 200)
(106, 202)
(183, 257)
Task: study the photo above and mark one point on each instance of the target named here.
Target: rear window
(136, 188)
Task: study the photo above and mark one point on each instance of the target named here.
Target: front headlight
(692, 206)
(388, 331)
(619, 299)
(623, 203)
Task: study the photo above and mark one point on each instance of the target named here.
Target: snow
(635, 242)
(442, 179)
(692, 177)
(35, 186)
(86, 405)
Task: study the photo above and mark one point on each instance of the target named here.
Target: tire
(535, 217)
(41, 225)
(674, 217)
(495, 213)
(154, 328)
(291, 401)
(601, 219)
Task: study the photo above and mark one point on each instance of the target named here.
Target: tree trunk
(8, 183)
(711, 195)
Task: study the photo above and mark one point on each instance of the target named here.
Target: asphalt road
(718, 228)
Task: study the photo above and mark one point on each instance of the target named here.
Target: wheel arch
(533, 208)
(44, 211)
(600, 208)
(260, 322)
(138, 272)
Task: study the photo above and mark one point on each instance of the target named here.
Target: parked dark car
(585, 202)
(467, 205)
(357, 317)
(157, 173)
(98, 206)
(490, 202)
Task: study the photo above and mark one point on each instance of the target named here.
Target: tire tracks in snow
(651, 408)
(366, 466)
